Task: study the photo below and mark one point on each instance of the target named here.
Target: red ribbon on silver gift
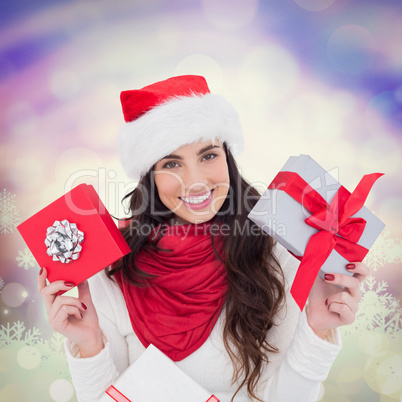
(337, 229)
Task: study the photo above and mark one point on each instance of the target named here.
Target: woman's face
(193, 181)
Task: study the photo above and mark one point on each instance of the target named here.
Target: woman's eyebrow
(172, 156)
(208, 148)
(201, 151)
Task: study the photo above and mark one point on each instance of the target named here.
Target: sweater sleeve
(93, 375)
(308, 358)
(306, 364)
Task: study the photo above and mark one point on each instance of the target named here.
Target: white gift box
(154, 377)
(282, 217)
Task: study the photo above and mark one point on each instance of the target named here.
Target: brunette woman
(202, 283)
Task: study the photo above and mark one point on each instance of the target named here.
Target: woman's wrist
(322, 333)
(93, 348)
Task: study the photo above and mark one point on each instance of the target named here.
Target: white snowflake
(385, 250)
(1, 283)
(25, 259)
(378, 310)
(15, 332)
(9, 217)
(16, 338)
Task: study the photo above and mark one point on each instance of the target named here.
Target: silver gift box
(282, 217)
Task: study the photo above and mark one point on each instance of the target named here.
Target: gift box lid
(154, 377)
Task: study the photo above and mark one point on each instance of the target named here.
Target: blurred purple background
(321, 77)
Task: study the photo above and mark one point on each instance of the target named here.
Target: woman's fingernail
(40, 272)
(329, 277)
(83, 306)
(350, 266)
(69, 284)
(326, 302)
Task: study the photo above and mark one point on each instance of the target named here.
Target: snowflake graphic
(16, 335)
(27, 350)
(25, 259)
(9, 217)
(1, 283)
(378, 311)
(15, 332)
(385, 250)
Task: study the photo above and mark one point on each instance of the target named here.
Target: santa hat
(168, 114)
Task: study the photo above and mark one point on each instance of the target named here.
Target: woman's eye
(169, 165)
(209, 156)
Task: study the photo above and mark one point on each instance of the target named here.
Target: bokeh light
(29, 357)
(7, 360)
(388, 103)
(27, 171)
(373, 343)
(383, 374)
(61, 390)
(200, 64)
(310, 116)
(390, 212)
(87, 164)
(268, 73)
(230, 14)
(13, 294)
(389, 376)
(21, 120)
(351, 49)
(64, 84)
(350, 380)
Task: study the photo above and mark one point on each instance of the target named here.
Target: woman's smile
(198, 201)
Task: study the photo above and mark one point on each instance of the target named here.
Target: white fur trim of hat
(164, 116)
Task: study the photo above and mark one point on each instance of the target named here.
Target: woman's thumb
(83, 291)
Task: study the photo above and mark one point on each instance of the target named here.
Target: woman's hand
(74, 318)
(331, 306)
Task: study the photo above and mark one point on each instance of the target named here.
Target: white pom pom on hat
(162, 117)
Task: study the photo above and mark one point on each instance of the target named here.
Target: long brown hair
(255, 279)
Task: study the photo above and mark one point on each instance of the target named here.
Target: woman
(202, 283)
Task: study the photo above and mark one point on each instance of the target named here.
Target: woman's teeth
(196, 200)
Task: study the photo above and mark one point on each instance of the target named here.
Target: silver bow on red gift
(63, 241)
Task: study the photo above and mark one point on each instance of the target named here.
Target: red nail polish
(40, 272)
(350, 266)
(69, 284)
(329, 277)
(326, 302)
(83, 306)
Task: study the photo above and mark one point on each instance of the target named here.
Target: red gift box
(102, 242)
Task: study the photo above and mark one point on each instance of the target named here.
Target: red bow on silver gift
(338, 230)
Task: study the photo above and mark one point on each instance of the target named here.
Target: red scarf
(180, 307)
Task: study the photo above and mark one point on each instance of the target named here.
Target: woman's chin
(192, 218)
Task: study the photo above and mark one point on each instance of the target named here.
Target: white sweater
(293, 374)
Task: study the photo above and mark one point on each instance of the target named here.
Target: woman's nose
(195, 181)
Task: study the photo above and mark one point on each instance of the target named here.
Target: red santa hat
(168, 114)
